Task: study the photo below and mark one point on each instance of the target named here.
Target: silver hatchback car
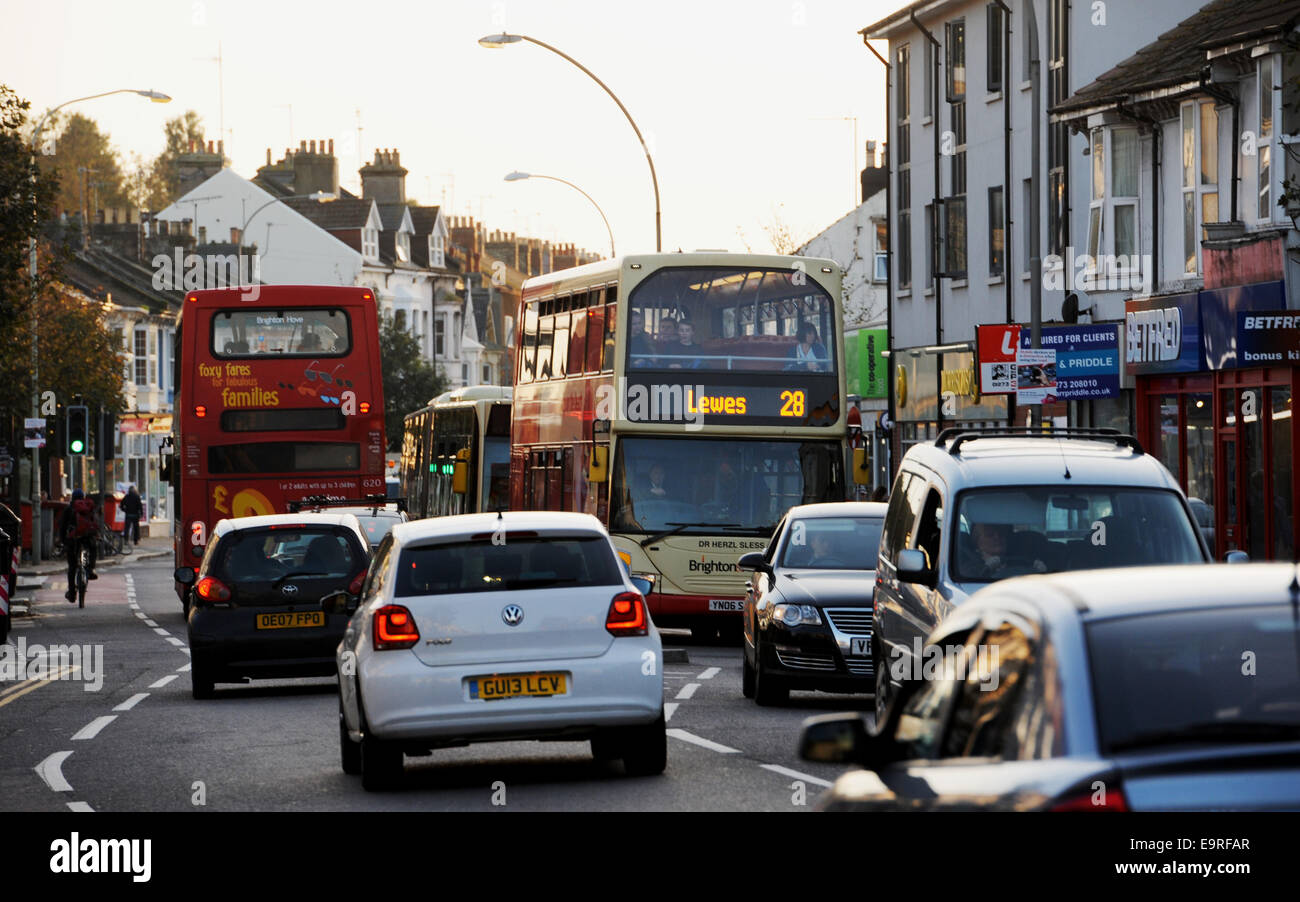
(494, 627)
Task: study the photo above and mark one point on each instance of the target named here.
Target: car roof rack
(318, 501)
(959, 435)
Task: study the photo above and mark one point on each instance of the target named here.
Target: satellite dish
(1070, 309)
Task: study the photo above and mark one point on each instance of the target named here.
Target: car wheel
(746, 675)
(202, 685)
(882, 681)
(768, 690)
(381, 764)
(645, 752)
(349, 751)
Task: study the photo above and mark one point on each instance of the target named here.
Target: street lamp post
(493, 41)
(156, 97)
(322, 197)
(519, 176)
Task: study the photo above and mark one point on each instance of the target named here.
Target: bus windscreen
(297, 332)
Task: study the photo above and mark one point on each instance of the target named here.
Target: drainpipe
(889, 220)
(938, 193)
(1007, 243)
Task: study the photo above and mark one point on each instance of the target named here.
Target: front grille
(806, 660)
(853, 621)
(860, 667)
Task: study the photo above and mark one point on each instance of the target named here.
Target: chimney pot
(331, 147)
(313, 145)
(302, 146)
(221, 146)
(268, 156)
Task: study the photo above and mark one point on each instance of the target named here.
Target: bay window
(1200, 186)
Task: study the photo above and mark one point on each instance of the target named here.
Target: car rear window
(258, 555)
(524, 563)
(1220, 674)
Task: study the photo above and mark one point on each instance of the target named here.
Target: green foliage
(90, 175)
(409, 379)
(154, 185)
(23, 203)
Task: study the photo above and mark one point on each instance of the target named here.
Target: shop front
(938, 388)
(1215, 375)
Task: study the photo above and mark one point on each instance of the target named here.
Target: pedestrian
(132, 509)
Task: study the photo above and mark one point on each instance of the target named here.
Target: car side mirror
(339, 602)
(1236, 557)
(185, 576)
(833, 738)
(913, 567)
(754, 560)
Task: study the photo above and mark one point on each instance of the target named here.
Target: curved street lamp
(321, 197)
(156, 97)
(494, 41)
(517, 176)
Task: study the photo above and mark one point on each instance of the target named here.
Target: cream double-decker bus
(688, 401)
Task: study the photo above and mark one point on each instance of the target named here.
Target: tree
(409, 379)
(155, 184)
(26, 195)
(90, 174)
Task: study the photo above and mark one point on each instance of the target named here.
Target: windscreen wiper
(678, 527)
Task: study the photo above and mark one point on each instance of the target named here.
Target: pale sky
(747, 106)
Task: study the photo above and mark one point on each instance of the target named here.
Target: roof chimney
(313, 145)
(331, 147)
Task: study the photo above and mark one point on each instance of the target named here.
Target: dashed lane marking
(163, 682)
(185, 669)
(710, 673)
(177, 642)
(702, 742)
(80, 806)
(160, 631)
(669, 709)
(778, 769)
(148, 622)
(132, 701)
(91, 730)
(687, 691)
(51, 771)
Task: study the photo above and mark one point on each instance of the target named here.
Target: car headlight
(797, 615)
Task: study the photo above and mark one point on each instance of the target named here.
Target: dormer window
(403, 247)
(436, 255)
(370, 244)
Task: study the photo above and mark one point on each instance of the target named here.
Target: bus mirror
(861, 471)
(460, 472)
(598, 471)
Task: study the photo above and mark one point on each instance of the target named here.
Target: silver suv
(976, 506)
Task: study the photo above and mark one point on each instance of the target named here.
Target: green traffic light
(77, 446)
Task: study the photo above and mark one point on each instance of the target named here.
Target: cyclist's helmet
(78, 494)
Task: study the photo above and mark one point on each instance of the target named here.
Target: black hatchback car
(255, 605)
(807, 617)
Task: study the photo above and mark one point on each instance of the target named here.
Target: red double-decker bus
(281, 399)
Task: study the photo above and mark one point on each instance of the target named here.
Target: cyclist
(79, 527)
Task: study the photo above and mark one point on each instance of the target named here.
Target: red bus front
(281, 399)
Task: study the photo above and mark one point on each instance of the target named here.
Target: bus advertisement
(281, 399)
(688, 401)
(465, 427)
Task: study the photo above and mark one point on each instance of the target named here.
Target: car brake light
(1112, 799)
(211, 589)
(365, 407)
(200, 411)
(394, 628)
(354, 587)
(626, 615)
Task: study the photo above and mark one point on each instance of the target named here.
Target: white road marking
(187, 651)
(141, 614)
(132, 701)
(701, 741)
(185, 669)
(91, 730)
(80, 806)
(669, 709)
(149, 622)
(160, 631)
(778, 769)
(50, 770)
(687, 691)
(710, 673)
(174, 641)
(163, 682)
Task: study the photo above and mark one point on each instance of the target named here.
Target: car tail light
(211, 589)
(354, 587)
(626, 615)
(1112, 799)
(394, 628)
(365, 407)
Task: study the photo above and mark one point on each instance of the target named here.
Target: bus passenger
(809, 354)
(685, 350)
(640, 347)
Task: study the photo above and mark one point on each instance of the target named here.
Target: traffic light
(78, 432)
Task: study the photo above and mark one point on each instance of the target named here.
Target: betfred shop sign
(997, 348)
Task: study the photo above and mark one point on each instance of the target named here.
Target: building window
(954, 227)
(927, 100)
(370, 244)
(997, 232)
(1113, 207)
(1267, 94)
(1058, 134)
(141, 357)
(487, 374)
(437, 256)
(934, 241)
(902, 84)
(399, 320)
(880, 272)
(402, 247)
(956, 60)
(1200, 127)
(904, 248)
(439, 326)
(903, 154)
(994, 48)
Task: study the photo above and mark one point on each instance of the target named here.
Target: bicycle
(110, 542)
(79, 576)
